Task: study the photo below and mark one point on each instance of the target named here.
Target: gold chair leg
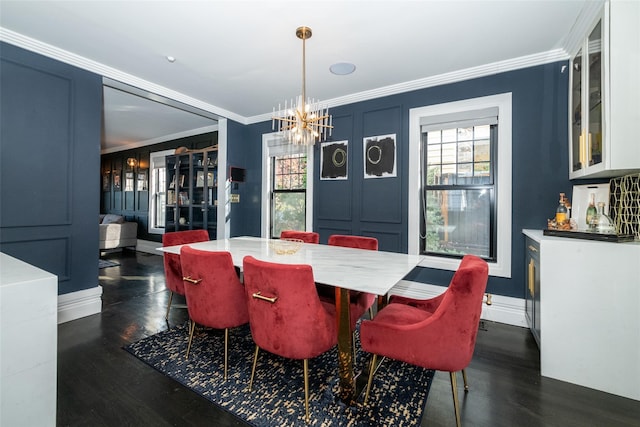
(371, 370)
(464, 378)
(192, 327)
(253, 368)
(226, 350)
(166, 317)
(371, 312)
(353, 346)
(305, 364)
(454, 390)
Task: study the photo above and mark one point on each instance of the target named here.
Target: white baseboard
(148, 246)
(75, 305)
(503, 309)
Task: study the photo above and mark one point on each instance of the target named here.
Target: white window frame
(157, 159)
(502, 266)
(269, 140)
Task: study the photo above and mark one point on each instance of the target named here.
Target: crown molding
(164, 138)
(585, 21)
(442, 79)
(62, 55)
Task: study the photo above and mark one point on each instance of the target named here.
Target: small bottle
(591, 210)
(567, 204)
(561, 211)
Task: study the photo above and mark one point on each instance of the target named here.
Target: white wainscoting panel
(75, 305)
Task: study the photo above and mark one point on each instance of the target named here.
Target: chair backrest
(218, 300)
(360, 242)
(296, 324)
(305, 236)
(458, 316)
(172, 269)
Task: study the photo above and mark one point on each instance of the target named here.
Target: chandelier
(305, 121)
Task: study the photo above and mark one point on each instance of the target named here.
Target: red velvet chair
(443, 339)
(286, 315)
(215, 296)
(305, 236)
(348, 241)
(360, 301)
(172, 268)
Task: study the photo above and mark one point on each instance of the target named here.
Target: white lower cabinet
(590, 313)
(28, 344)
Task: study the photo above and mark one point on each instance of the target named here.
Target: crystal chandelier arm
(286, 119)
(317, 119)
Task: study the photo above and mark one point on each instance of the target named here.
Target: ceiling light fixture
(305, 121)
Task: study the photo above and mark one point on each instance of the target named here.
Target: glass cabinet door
(578, 154)
(594, 118)
(585, 101)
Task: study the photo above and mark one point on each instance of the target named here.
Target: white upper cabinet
(604, 95)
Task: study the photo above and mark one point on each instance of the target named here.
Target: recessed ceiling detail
(342, 68)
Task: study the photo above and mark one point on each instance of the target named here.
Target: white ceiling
(239, 59)
(132, 120)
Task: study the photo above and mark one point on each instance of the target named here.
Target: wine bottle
(561, 211)
(591, 210)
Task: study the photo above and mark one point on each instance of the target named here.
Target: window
(289, 193)
(287, 183)
(157, 195)
(458, 192)
(463, 188)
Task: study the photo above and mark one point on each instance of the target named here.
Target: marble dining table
(346, 269)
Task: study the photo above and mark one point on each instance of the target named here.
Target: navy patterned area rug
(398, 394)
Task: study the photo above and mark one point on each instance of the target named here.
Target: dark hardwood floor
(100, 384)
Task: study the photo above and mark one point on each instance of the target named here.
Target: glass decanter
(601, 222)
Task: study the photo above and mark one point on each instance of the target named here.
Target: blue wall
(51, 140)
(378, 207)
(50, 117)
(241, 154)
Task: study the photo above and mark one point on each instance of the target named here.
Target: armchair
(305, 236)
(286, 316)
(360, 301)
(444, 339)
(172, 268)
(215, 296)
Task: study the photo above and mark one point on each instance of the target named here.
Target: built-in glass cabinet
(192, 182)
(603, 98)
